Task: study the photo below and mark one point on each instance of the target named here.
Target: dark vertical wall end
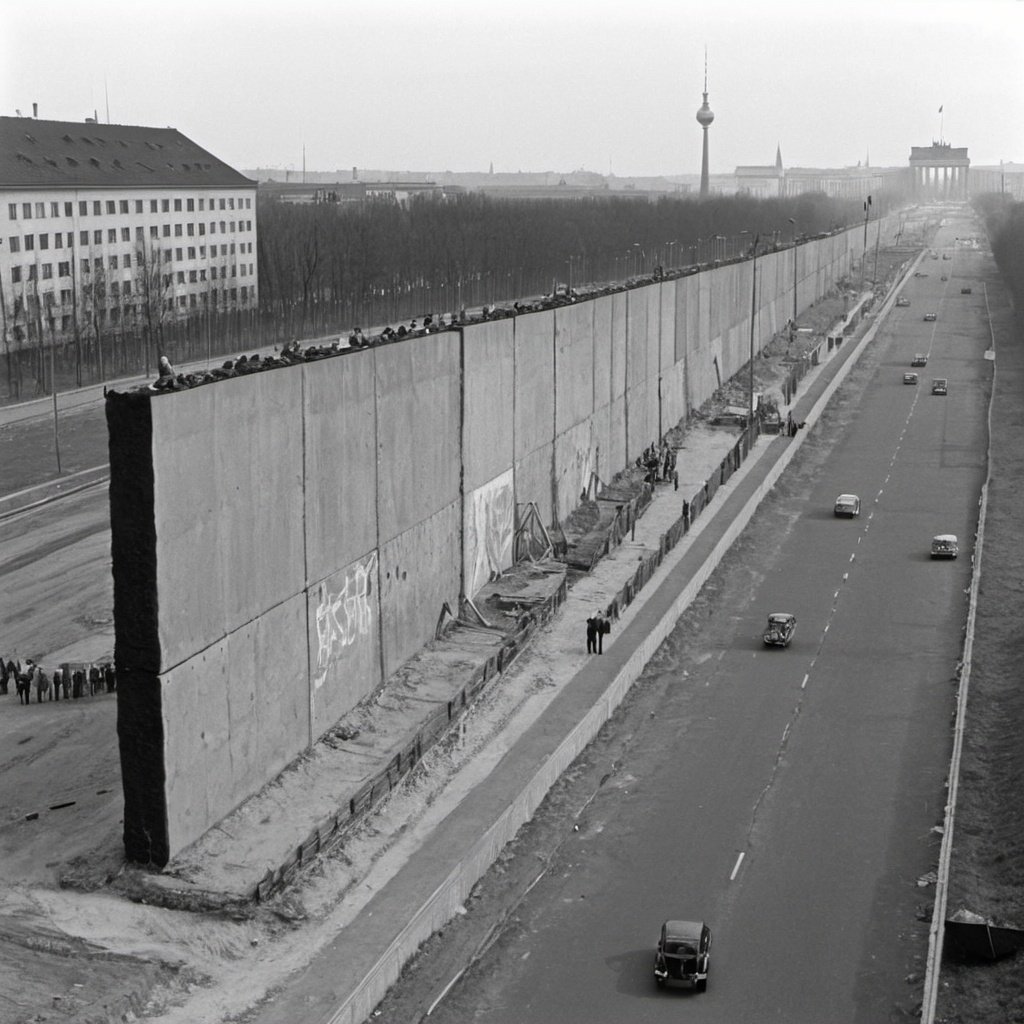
(140, 729)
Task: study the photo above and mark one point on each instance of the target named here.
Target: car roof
(683, 929)
(781, 615)
(945, 536)
(845, 497)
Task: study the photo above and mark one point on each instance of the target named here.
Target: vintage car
(920, 359)
(965, 291)
(683, 954)
(930, 318)
(946, 256)
(780, 629)
(910, 378)
(939, 386)
(903, 301)
(945, 545)
(847, 505)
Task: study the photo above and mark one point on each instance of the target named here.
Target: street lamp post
(753, 318)
(864, 256)
(792, 328)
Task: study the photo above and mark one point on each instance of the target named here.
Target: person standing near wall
(592, 635)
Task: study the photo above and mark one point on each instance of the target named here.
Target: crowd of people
(69, 681)
(660, 462)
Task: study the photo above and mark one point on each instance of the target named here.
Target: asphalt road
(790, 797)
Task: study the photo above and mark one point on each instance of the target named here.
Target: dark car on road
(780, 629)
(930, 317)
(683, 954)
(920, 359)
(939, 386)
(910, 378)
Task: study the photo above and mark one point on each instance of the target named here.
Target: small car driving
(683, 954)
(903, 301)
(847, 506)
(920, 359)
(939, 386)
(910, 378)
(780, 629)
(945, 545)
(930, 317)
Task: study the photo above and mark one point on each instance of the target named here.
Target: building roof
(74, 154)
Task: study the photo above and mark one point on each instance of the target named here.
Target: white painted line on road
(735, 870)
(827, 626)
(853, 555)
(846, 575)
(803, 685)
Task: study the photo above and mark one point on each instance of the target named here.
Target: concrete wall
(284, 541)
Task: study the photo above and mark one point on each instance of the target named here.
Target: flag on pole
(940, 108)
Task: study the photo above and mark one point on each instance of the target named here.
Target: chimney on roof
(35, 109)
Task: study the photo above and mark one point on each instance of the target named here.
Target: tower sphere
(705, 115)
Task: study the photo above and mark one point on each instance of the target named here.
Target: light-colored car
(903, 301)
(910, 378)
(945, 545)
(939, 386)
(930, 318)
(847, 505)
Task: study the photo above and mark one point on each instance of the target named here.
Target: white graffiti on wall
(344, 616)
(490, 521)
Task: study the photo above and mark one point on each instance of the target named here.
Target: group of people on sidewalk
(71, 681)
(597, 628)
(660, 462)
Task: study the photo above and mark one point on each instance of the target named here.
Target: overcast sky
(530, 85)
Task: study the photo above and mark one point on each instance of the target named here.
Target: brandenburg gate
(939, 171)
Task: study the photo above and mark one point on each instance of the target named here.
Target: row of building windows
(113, 206)
(178, 254)
(44, 271)
(124, 234)
(118, 314)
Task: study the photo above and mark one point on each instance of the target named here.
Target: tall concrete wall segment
(284, 541)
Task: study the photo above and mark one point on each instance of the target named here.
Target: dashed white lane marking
(803, 685)
(736, 868)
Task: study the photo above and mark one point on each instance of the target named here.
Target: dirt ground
(82, 952)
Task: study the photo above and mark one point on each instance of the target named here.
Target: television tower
(704, 118)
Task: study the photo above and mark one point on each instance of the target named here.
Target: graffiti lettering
(342, 617)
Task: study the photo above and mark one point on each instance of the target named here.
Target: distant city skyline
(459, 86)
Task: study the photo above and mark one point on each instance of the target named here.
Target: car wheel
(702, 985)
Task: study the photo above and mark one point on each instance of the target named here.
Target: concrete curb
(443, 902)
(41, 494)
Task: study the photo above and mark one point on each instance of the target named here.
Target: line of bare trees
(327, 267)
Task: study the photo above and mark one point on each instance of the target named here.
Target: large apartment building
(110, 227)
